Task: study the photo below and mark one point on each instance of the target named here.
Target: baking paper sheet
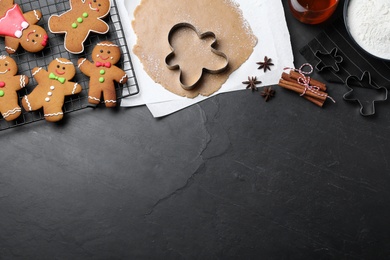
(268, 23)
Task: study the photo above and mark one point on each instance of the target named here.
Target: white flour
(369, 24)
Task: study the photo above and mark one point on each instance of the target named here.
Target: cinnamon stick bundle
(317, 97)
(295, 75)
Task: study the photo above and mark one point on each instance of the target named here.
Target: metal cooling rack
(27, 61)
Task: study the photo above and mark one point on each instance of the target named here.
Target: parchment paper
(267, 21)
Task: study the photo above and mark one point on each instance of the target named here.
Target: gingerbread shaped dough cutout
(53, 86)
(10, 83)
(77, 23)
(103, 73)
(209, 59)
(154, 19)
(21, 29)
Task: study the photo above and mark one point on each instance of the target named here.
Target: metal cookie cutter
(204, 70)
(365, 82)
(328, 60)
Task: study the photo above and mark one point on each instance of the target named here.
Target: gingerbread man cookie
(9, 84)
(21, 29)
(53, 86)
(103, 73)
(82, 18)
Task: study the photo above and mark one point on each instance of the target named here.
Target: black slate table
(233, 177)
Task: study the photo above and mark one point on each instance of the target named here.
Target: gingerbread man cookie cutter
(201, 36)
(328, 60)
(364, 81)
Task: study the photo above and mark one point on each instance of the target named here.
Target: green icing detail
(101, 79)
(102, 72)
(85, 15)
(79, 20)
(74, 25)
(2, 93)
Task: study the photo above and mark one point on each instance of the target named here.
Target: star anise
(267, 93)
(252, 82)
(265, 65)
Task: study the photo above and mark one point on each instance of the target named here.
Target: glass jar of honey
(312, 11)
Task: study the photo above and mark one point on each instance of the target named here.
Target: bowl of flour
(368, 23)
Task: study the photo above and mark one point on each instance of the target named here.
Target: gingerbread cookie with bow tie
(77, 23)
(53, 86)
(10, 83)
(21, 29)
(103, 73)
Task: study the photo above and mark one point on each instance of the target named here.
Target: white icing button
(52, 87)
(49, 93)
(24, 24)
(47, 99)
(18, 34)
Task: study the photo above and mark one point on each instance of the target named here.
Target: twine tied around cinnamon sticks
(308, 88)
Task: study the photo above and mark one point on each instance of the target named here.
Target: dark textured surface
(231, 177)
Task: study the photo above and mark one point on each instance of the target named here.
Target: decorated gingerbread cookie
(21, 29)
(9, 84)
(77, 23)
(53, 86)
(103, 73)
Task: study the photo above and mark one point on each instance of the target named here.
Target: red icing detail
(45, 39)
(60, 72)
(103, 64)
(13, 23)
(2, 84)
(28, 35)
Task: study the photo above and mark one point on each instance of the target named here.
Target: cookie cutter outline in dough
(204, 70)
(333, 55)
(365, 78)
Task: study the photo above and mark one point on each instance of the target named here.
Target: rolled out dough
(153, 19)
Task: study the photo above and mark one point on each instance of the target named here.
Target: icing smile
(60, 72)
(3, 72)
(101, 57)
(92, 8)
(28, 35)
